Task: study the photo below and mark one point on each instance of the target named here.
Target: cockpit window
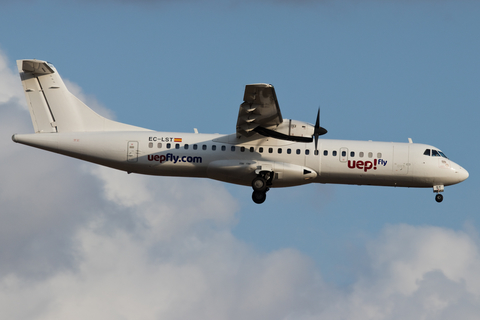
(435, 153)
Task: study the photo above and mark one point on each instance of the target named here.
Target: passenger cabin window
(325, 152)
(279, 150)
(360, 154)
(298, 151)
(186, 146)
(242, 149)
(379, 155)
(307, 152)
(344, 153)
(232, 148)
(252, 149)
(370, 154)
(169, 145)
(260, 149)
(316, 152)
(177, 146)
(289, 151)
(214, 147)
(334, 153)
(204, 147)
(352, 153)
(195, 147)
(224, 148)
(270, 150)
(159, 145)
(150, 145)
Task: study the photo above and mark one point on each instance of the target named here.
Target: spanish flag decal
(177, 140)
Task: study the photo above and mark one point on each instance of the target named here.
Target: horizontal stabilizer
(36, 66)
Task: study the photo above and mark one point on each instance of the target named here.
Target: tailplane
(53, 108)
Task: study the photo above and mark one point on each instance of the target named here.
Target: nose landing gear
(260, 185)
(437, 190)
(439, 197)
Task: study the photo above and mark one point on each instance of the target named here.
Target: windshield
(434, 153)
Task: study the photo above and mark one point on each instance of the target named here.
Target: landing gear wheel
(259, 184)
(259, 197)
(439, 197)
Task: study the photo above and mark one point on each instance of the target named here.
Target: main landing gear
(437, 190)
(260, 185)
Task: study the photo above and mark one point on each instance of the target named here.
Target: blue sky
(379, 70)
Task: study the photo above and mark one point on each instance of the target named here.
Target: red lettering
(368, 165)
(162, 158)
(351, 166)
(157, 157)
(360, 164)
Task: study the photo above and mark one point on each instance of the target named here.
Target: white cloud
(80, 241)
(417, 273)
(10, 84)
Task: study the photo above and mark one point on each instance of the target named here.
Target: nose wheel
(437, 189)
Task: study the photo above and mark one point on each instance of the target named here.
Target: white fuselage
(238, 160)
(267, 150)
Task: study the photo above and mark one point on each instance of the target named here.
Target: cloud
(82, 241)
(418, 272)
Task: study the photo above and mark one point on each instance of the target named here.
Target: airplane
(266, 151)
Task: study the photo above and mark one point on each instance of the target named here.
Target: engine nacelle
(294, 128)
(290, 130)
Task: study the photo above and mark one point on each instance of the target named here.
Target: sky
(81, 241)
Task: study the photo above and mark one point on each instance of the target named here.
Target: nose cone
(457, 174)
(462, 174)
(450, 173)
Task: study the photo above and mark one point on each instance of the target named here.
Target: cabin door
(400, 158)
(132, 151)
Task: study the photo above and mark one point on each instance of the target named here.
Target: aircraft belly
(242, 172)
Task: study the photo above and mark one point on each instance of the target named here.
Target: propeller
(318, 131)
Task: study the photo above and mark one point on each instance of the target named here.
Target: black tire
(259, 197)
(259, 184)
(439, 197)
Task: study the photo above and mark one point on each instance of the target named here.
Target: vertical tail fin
(53, 108)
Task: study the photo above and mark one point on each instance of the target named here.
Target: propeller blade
(318, 131)
(315, 132)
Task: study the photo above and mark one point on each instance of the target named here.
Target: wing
(259, 109)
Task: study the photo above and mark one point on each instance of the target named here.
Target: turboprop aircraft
(266, 151)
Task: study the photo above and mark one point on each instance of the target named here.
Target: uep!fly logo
(366, 165)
